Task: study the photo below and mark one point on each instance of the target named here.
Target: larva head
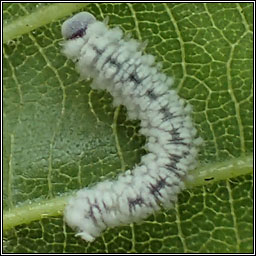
(76, 26)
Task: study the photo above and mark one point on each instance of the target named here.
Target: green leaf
(59, 135)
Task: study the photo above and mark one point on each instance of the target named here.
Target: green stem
(35, 211)
(209, 173)
(41, 17)
(54, 207)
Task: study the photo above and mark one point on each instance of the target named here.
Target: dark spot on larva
(150, 93)
(113, 62)
(175, 158)
(175, 134)
(98, 51)
(134, 77)
(176, 139)
(91, 213)
(110, 60)
(167, 114)
(104, 205)
(155, 189)
(134, 202)
(173, 168)
(78, 33)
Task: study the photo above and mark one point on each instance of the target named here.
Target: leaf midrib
(29, 212)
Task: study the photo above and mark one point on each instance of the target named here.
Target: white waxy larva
(117, 65)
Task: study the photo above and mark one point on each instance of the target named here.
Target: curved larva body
(118, 66)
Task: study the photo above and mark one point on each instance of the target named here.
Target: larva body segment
(118, 66)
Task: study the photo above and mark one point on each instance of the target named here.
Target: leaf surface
(60, 135)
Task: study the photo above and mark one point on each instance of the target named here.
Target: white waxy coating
(118, 66)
